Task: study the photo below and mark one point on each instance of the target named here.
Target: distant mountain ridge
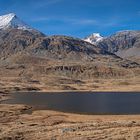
(125, 44)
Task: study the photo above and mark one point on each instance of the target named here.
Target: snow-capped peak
(94, 38)
(12, 21)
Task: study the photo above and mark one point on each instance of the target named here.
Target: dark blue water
(84, 103)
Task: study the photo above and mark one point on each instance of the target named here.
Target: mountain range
(30, 60)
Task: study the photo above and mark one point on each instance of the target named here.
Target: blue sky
(77, 18)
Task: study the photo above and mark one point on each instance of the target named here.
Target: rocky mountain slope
(13, 41)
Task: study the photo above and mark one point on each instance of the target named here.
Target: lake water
(83, 103)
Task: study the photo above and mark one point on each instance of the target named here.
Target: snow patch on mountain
(12, 21)
(94, 38)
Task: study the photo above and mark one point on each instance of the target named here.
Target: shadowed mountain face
(63, 47)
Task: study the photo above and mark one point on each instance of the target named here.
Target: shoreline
(75, 91)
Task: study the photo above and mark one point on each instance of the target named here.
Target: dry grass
(56, 84)
(48, 125)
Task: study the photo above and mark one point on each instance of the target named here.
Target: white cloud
(44, 3)
(96, 22)
(110, 22)
(39, 19)
(76, 21)
(83, 21)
